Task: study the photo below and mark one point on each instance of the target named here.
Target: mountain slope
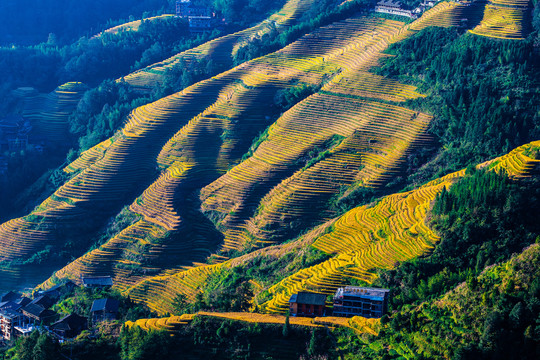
(379, 237)
(185, 150)
(249, 158)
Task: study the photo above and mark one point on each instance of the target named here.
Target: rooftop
(9, 296)
(98, 280)
(37, 310)
(44, 301)
(362, 292)
(389, 3)
(10, 314)
(70, 322)
(10, 305)
(108, 305)
(308, 298)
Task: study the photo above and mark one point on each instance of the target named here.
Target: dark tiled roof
(23, 301)
(364, 292)
(10, 305)
(9, 313)
(34, 309)
(308, 298)
(9, 296)
(108, 305)
(57, 288)
(44, 301)
(70, 322)
(98, 281)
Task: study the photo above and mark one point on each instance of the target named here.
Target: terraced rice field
(505, 19)
(522, 162)
(134, 25)
(169, 324)
(50, 112)
(379, 236)
(174, 323)
(363, 325)
(220, 50)
(232, 113)
(361, 240)
(353, 132)
(357, 144)
(111, 172)
(261, 318)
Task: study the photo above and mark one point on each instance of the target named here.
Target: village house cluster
(16, 131)
(347, 302)
(395, 8)
(20, 315)
(199, 17)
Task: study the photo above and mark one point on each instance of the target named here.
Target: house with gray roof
(307, 304)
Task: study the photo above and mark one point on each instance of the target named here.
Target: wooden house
(38, 314)
(104, 309)
(307, 304)
(69, 326)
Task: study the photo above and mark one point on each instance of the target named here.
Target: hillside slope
(338, 55)
(249, 158)
(220, 50)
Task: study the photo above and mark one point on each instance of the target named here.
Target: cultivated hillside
(250, 163)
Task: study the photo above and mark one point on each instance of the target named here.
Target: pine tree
(286, 327)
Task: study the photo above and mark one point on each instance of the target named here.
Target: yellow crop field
(378, 237)
(221, 49)
(353, 132)
(173, 323)
(169, 324)
(519, 163)
(504, 19)
(134, 25)
(50, 112)
(371, 141)
(229, 103)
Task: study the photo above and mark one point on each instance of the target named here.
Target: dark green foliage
(211, 338)
(495, 319)
(319, 342)
(286, 327)
(94, 59)
(348, 199)
(25, 21)
(483, 219)
(287, 98)
(137, 344)
(37, 346)
(80, 300)
(224, 291)
(24, 168)
(483, 93)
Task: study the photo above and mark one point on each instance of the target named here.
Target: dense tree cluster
(482, 220)
(483, 93)
(490, 316)
(32, 22)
